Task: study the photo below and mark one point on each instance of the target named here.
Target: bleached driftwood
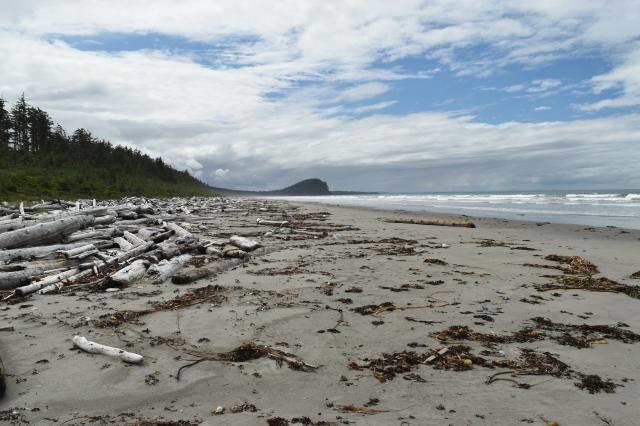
(14, 224)
(226, 264)
(213, 251)
(105, 220)
(56, 286)
(190, 275)
(96, 348)
(98, 234)
(133, 239)
(272, 222)
(164, 270)
(166, 250)
(44, 232)
(244, 243)
(179, 230)
(38, 285)
(76, 252)
(136, 251)
(311, 233)
(233, 251)
(127, 214)
(11, 280)
(162, 236)
(122, 243)
(147, 234)
(436, 355)
(30, 252)
(130, 274)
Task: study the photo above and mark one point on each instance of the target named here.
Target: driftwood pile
(53, 246)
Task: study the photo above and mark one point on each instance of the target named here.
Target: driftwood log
(179, 230)
(39, 252)
(130, 274)
(164, 270)
(122, 243)
(133, 239)
(190, 275)
(44, 232)
(272, 222)
(38, 285)
(11, 280)
(244, 243)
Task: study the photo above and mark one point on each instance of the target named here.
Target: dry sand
(286, 298)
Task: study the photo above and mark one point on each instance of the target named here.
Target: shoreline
(341, 301)
(529, 215)
(486, 220)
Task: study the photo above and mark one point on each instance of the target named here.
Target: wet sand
(296, 299)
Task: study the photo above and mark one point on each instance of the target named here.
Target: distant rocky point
(306, 187)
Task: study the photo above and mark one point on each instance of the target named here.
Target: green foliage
(41, 162)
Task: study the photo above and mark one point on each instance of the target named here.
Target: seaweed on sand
(459, 332)
(243, 353)
(589, 334)
(208, 294)
(387, 367)
(578, 275)
(588, 283)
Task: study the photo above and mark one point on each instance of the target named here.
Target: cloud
(219, 173)
(374, 107)
(362, 92)
(543, 85)
(624, 78)
(282, 91)
(542, 108)
(538, 87)
(193, 164)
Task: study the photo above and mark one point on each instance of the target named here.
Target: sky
(373, 95)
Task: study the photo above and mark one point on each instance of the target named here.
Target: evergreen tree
(59, 139)
(20, 120)
(5, 125)
(39, 129)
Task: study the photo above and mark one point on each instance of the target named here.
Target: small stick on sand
(97, 348)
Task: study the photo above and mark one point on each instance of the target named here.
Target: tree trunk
(44, 232)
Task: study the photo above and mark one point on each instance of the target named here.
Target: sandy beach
(367, 304)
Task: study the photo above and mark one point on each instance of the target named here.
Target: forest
(39, 159)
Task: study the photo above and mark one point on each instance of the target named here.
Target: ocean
(620, 208)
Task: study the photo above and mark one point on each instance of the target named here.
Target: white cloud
(374, 107)
(514, 88)
(625, 78)
(542, 108)
(543, 85)
(362, 92)
(220, 173)
(193, 164)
